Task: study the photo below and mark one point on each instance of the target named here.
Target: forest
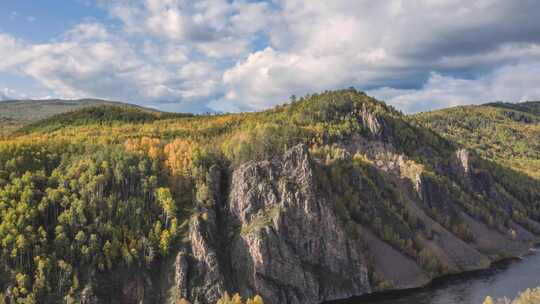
(506, 133)
(102, 189)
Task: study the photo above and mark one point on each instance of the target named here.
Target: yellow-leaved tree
(237, 299)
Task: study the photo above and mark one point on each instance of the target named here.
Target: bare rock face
(206, 268)
(473, 178)
(462, 167)
(373, 123)
(181, 275)
(463, 160)
(433, 194)
(292, 247)
(278, 234)
(88, 296)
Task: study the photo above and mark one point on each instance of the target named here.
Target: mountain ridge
(333, 195)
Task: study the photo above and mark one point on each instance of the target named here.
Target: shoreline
(393, 294)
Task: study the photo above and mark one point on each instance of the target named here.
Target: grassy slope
(506, 133)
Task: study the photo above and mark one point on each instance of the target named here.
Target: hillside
(17, 113)
(98, 115)
(507, 133)
(333, 195)
(532, 107)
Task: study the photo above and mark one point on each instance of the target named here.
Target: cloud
(6, 94)
(385, 44)
(214, 28)
(514, 83)
(86, 61)
(90, 61)
(249, 55)
(268, 77)
(11, 94)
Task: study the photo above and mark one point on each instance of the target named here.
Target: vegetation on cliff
(110, 190)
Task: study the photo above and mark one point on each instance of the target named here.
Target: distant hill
(104, 114)
(508, 133)
(17, 113)
(532, 107)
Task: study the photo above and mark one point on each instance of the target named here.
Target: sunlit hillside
(506, 133)
(17, 113)
(94, 197)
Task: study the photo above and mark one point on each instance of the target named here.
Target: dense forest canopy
(111, 187)
(505, 132)
(107, 188)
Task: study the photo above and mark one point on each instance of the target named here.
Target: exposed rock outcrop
(208, 281)
(292, 247)
(88, 296)
(372, 122)
(463, 161)
(181, 276)
(277, 235)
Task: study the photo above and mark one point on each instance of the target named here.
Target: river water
(505, 279)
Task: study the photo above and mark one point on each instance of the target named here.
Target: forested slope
(307, 202)
(17, 113)
(507, 133)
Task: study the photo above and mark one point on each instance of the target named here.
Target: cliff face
(284, 241)
(379, 205)
(332, 195)
(292, 247)
(278, 234)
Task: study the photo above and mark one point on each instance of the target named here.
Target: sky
(245, 55)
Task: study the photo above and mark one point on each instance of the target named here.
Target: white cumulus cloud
(249, 55)
(514, 83)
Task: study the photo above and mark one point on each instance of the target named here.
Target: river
(505, 279)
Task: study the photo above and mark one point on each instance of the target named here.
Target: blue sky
(240, 55)
(40, 21)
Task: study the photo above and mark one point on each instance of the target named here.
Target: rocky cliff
(283, 241)
(277, 232)
(332, 195)
(374, 204)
